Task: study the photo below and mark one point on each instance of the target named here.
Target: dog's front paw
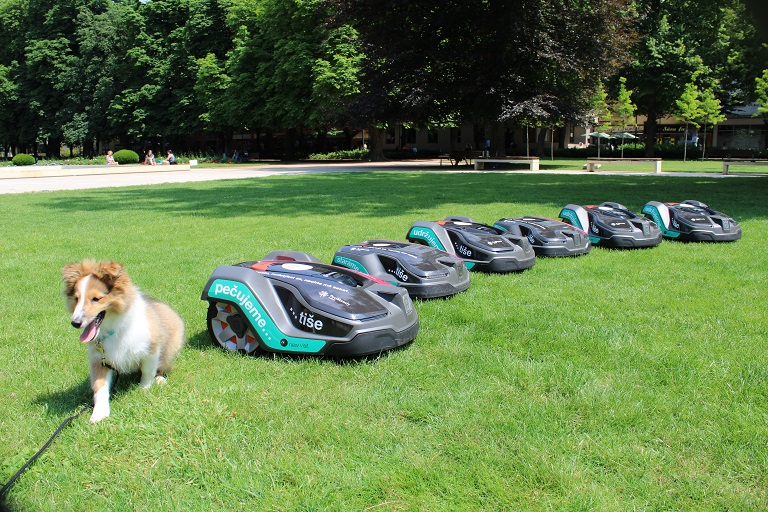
(160, 380)
(99, 413)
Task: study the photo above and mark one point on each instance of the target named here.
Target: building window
(432, 136)
(741, 137)
(410, 136)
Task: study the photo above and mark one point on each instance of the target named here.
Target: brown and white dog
(125, 330)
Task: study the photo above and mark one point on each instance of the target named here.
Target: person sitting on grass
(149, 158)
(170, 159)
(110, 158)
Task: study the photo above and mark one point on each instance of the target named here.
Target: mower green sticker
(428, 236)
(238, 293)
(349, 263)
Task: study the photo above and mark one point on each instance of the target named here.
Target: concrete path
(22, 185)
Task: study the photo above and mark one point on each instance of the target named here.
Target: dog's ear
(72, 272)
(109, 272)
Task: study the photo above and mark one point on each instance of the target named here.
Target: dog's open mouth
(91, 330)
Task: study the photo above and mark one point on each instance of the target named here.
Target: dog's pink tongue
(89, 332)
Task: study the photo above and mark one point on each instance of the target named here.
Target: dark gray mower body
(613, 225)
(692, 221)
(291, 303)
(548, 237)
(481, 246)
(424, 271)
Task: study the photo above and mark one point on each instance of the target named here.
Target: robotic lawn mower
(291, 303)
(425, 272)
(612, 225)
(482, 247)
(692, 221)
(548, 237)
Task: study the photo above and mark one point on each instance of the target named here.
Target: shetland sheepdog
(125, 330)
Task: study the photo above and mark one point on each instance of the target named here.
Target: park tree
(712, 37)
(599, 113)
(284, 66)
(761, 95)
(9, 97)
(761, 92)
(111, 63)
(509, 61)
(711, 114)
(624, 110)
(689, 111)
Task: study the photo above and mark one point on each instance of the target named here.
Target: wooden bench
(728, 163)
(531, 161)
(592, 163)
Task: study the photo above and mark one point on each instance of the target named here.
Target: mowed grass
(620, 380)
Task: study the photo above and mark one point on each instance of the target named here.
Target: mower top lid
(620, 217)
(492, 239)
(697, 212)
(333, 290)
(547, 228)
(422, 260)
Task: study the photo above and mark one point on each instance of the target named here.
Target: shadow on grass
(376, 194)
(67, 401)
(202, 341)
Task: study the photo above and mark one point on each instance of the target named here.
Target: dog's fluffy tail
(168, 330)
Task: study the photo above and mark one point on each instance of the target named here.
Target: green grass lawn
(620, 380)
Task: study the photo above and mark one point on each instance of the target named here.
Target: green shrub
(351, 154)
(23, 159)
(126, 156)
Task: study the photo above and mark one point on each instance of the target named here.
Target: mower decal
(656, 217)
(572, 217)
(428, 236)
(270, 334)
(349, 263)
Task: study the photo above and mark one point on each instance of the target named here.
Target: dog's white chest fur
(125, 338)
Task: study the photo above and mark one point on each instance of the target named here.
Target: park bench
(728, 163)
(593, 163)
(531, 161)
(455, 157)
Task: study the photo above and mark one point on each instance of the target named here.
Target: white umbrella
(599, 135)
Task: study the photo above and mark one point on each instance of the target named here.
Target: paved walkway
(22, 185)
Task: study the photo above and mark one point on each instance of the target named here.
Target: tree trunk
(376, 138)
(540, 142)
(321, 142)
(290, 140)
(495, 132)
(650, 135)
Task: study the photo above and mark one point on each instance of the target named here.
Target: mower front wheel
(228, 329)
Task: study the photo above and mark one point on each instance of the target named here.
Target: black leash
(15, 477)
(64, 423)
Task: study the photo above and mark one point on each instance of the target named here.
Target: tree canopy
(84, 71)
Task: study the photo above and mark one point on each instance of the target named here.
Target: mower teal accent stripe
(240, 294)
(571, 216)
(594, 239)
(427, 235)
(500, 227)
(654, 213)
(349, 263)
(469, 264)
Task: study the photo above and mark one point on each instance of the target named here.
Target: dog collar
(98, 345)
(100, 339)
